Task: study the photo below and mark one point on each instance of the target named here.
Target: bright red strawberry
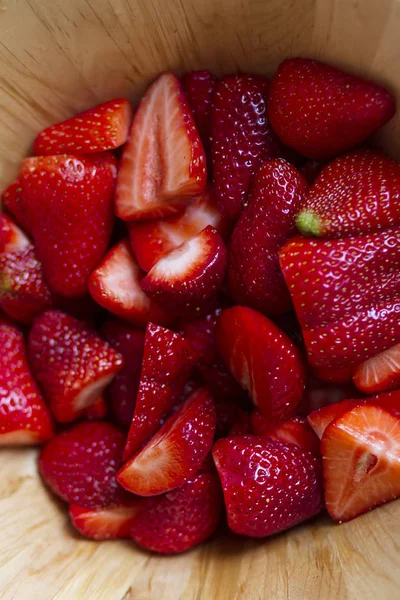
(11, 200)
(379, 373)
(104, 127)
(199, 87)
(181, 519)
(361, 452)
(129, 342)
(80, 465)
(294, 431)
(23, 291)
(346, 295)
(263, 360)
(269, 486)
(115, 285)
(163, 163)
(318, 394)
(69, 203)
(190, 274)
(153, 239)
(177, 450)
(321, 111)
(12, 238)
(266, 223)
(356, 193)
(24, 417)
(242, 138)
(167, 362)
(72, 363)
(342, 375)
(110, 523)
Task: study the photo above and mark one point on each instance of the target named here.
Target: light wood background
(58, 57)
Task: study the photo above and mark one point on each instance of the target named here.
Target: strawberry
(269, 486)
(294, 431)
(361, 452)
(263, 360)
(181, 519)
(318, 394)
(163, 163)
(23, 290)
(24, 417)
(346, 296)
(199, 87)
(241, 424)
(153, 239)
(242, 138)
(80, 465)
(12, 238)
(110, 523)
(311, 169)
(342, 375)
(11, 200)
(190, 274)
(115, 285)
(379, 373)
(176, 452)
(103, 127)
(129, 342)
(98, 410)
(356, 193)
(321, 111)
(167, 362)
(72, 364)
(266, 223)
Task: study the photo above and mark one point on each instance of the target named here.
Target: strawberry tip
(308, 223)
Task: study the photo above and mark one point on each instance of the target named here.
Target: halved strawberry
(103, 127)
(361, 466)
(199, 87)
(176, 452)
(71, 362)
(379, 373)
(263, 360)
(294, 431)
(11, 200)
(24, 416)
(190, 274)
(109, 523)
(12, 238)
(115, 285)
(153, 239)
(163, 163)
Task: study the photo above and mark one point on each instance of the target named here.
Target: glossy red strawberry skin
(69, 203)
(181, 519)
(321, 111)
(105, 523)
(11, 200)
(80, 465)
(24, 417)
(12, 238)
(68, 359)
(294, 431)
(269, 486)
(242, 138)
(199, 87)
(104, 127)
(266, 223)
(345, 293)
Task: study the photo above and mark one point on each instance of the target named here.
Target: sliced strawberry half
(163, 164)
(176, 452)
(294, 431)
(380, 373)
(361, 466)
(12, 238)
(189, 275)
(11, 200)
(103, 127)
(110, 523)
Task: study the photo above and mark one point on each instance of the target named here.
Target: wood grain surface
(61, 56)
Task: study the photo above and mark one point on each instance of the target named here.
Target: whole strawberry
(11, 200)
(199, 87)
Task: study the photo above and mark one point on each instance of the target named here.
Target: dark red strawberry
(84, 308)
(181, 519)
(356, 193)
(318, 394)
(266, 223)
(98, 410)
(242, 138)
(176, 452)
(269, 486)
(379, 373)
(71, 362)
(24, 417)
(263, 360)
(321, 111)
(129, 342)
(104, 127)
(69, 202)
(199, 87)
(11, 200)
(311, 169)
(342, 375)
(110, 523)
(294, 431)
(12, 238)
(163, 163)
(80, 465)
(241, 425)
(346, 295)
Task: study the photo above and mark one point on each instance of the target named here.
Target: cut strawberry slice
(110, 523)
(11, 200)
(115, 285)
(12, 238)
(176, 452)
(361, 466)
(190, 274)
(103, 127)
(163, 163)
(380, 373)
(294, 431)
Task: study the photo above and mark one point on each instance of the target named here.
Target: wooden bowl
(58, 57)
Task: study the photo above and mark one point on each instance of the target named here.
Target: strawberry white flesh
(380, 373)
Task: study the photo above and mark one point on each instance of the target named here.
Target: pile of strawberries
(199, 303)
